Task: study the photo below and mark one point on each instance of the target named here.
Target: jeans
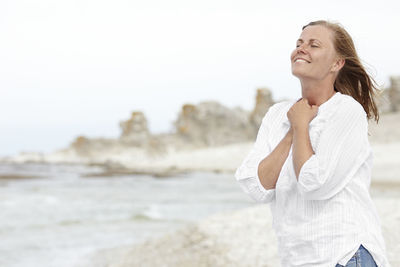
(362, 258)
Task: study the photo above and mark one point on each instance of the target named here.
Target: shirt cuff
(308, 176)
(261, 187)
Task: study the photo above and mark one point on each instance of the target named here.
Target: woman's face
(315, 55)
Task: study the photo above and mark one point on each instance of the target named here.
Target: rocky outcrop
(263, 102)
(81, 145)
(206, 124)
(134, 130)
(210, 123)
(87, 147)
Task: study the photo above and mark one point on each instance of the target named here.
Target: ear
(339, 63)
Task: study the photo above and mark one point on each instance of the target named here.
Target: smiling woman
(312, 159)
(314, 54)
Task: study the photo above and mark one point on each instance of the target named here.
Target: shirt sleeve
(342, 149)
(247, 173)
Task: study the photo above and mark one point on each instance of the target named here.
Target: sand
(242, 238)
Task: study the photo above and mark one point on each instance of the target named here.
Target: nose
(301, 49)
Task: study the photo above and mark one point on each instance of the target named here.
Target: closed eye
(311, 45)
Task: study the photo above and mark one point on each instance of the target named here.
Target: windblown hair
(352, 78)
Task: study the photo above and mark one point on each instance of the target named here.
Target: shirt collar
(329, 104)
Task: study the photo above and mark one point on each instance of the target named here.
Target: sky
(79, 67)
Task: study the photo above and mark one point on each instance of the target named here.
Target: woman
(312, 160)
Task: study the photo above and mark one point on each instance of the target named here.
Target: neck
(317, 92)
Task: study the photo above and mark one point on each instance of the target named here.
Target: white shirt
(322, 218)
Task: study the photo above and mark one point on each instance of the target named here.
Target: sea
(60, 214)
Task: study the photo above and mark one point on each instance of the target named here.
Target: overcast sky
(78, 67)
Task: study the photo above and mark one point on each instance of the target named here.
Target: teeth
(300, 60)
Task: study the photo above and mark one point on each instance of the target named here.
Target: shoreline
(219, 159)
(222, 159)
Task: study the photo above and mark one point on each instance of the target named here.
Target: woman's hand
(301, 113)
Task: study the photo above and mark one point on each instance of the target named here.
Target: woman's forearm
(270, 167)
(302, 149)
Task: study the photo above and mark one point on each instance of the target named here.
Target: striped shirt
(322, 218)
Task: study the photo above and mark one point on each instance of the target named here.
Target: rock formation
(81, 145)
(88, 147)
(207, 124)
(263, 102)
(211, 124)
(134, 130)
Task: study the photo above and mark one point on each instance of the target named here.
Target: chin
(297, 73)
(301, 73)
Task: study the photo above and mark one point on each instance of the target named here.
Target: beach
(206, 232)
(246, 237)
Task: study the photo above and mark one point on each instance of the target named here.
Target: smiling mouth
(301, 60)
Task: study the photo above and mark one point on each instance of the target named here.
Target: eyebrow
(311, 40)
